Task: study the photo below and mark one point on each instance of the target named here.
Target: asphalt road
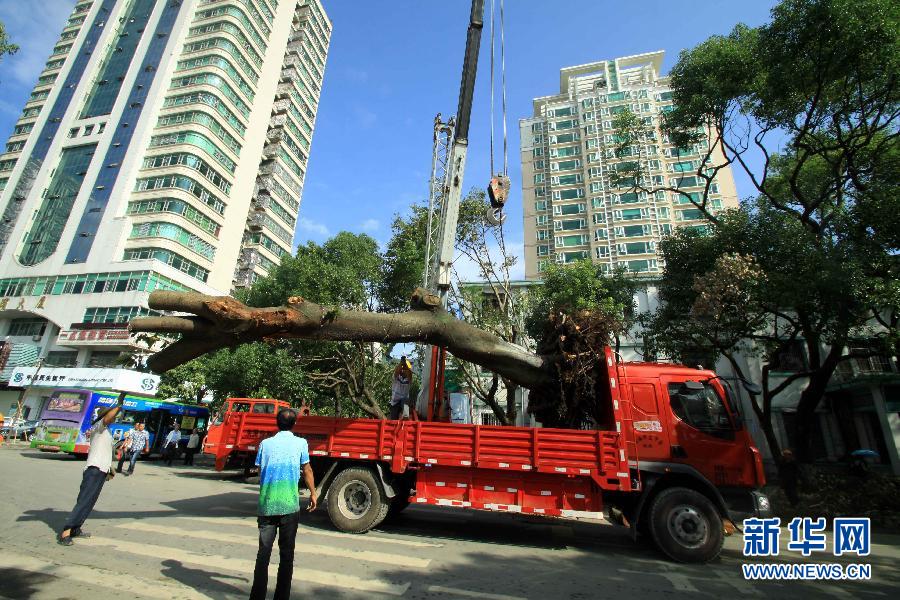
(185, 532)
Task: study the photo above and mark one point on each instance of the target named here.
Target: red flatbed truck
(672, 460)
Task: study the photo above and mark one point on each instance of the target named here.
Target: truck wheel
(355, 502)
(686, 526)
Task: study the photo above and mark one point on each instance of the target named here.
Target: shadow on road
(229, 504)
(207, 581)
(17, 583)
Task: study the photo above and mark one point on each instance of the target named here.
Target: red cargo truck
(671, 460)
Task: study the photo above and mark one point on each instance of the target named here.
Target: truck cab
(221, 436)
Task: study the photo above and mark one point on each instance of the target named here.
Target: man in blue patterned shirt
(137, 442)
(280, 459)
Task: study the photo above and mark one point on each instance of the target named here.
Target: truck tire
(686, 525)
(355, 501)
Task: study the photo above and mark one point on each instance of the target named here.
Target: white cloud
(370, 225)
(35, 27)
(312, 227)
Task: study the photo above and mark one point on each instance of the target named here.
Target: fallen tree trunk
(223, 322)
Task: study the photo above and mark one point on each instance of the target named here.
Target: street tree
(492, 303)
(574, 314)
(807, 106)
(345, 272)
(7, 47)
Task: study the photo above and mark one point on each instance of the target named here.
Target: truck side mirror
(694, 386)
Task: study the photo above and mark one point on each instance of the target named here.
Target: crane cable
(502, 87)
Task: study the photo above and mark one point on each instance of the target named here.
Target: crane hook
(498, 192)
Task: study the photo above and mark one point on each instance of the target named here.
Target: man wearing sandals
(96, 472)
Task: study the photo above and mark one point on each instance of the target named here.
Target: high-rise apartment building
(164, 146)
(575, 208)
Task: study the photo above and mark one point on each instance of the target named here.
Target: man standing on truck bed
(280, 460)
(400, 388)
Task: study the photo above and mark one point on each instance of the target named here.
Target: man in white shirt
(193, 446)
(99, 465)
(170, 446)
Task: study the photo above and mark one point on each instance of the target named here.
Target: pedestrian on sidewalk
(137, 441)
(170, 446)
(280, 459)
(400, 388)
(96, 472)
(193, 446)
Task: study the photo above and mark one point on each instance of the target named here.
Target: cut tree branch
(223, 322)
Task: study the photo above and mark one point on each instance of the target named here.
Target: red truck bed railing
(412, 444)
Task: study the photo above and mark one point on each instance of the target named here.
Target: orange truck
(671, 459)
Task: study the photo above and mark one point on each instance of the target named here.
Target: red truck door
(702, 432)
(650, 432)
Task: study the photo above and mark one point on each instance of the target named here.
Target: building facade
(575, 207)
(164, 146)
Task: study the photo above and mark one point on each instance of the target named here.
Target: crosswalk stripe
(368, 537)
(312, 549)
(439, 589)
(238, 565)
(99, 577)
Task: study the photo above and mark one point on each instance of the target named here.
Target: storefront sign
(95, 337)
(120, 380)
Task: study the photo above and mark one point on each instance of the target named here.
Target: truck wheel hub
(356, 500)
(688, 526)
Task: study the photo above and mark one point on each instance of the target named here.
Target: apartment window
(640, 266)
(543, 250)
(570, 257)
(27, 327)
(61, 358)
(542, 220)
(539, 178)
(542, 234)
(690, 215)
(537, 152)
(568, 194)
(103, 358)
(601, 252)
(570, 224)
(540, 205)
(538, 164)
(633, 230)
(600, 235)
(170, 258)
(88, 130)
(173, 232)
(74, 132)
(569, 209)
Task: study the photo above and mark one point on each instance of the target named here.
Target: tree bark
(219, 322)
(809, 401)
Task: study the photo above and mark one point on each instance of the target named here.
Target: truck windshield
(702, 409)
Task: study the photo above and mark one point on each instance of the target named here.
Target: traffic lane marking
(218, 536)
(164, 590)
(239, 565)
(440, 589)
(313, 549)
(367, 537)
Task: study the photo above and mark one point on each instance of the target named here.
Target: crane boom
(438, 266)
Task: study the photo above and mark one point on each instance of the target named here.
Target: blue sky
(393, 65)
